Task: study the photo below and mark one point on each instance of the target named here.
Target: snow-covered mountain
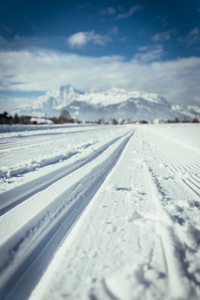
(189, 111)
(114, 103)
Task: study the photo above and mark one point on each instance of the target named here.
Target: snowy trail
(59, 143)
(165, 225)
(119, 219)
(55, 219)
(14, 196)
(137, 239)
(185, 166)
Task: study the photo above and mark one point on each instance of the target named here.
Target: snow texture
(100, 212)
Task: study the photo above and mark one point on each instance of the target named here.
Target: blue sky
(147, 45)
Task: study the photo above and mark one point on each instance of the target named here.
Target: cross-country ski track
(100, 212)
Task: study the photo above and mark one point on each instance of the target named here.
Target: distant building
(41, 121)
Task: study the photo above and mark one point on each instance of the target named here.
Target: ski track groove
(40, 184)
(194, 184)
(190, 158)
(191, 187)
(155, 202)
(23, 144)
(171, 255)
(56, 231)
(184, 166)
(196, 179)
(43, 131)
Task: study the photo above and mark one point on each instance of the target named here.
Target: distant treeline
(65, 117)
(5, 118)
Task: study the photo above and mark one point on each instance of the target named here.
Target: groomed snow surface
(100, 212)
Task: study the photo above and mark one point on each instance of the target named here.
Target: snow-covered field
(100, 212)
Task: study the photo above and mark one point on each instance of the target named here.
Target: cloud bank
(40, 70)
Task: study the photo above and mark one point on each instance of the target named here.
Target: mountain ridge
(114, 103)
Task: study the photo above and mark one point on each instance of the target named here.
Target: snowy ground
(100, 212)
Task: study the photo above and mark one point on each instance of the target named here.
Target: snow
(191, 111)
(114, 103)
(65, 95)
(116, 95)
(57, 99)
(100, 212)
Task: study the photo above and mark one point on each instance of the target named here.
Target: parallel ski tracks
(176, 274)
(23, 192)
(35, 139)
(185, 167)
(22, 277)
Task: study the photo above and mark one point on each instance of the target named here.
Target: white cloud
(144, 48)
(130, 12)
(78, 39)
(193, 37)
(112, 58)
(83, 38)
(108, 11)
(163, 36)
(149, 54)
(178, 80)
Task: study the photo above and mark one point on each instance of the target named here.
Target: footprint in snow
(135, 217)
(113, 187)
(124, 189)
